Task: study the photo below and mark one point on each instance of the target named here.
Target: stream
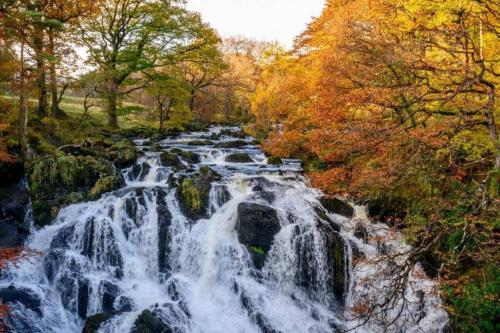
(262, 254)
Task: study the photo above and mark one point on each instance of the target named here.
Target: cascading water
(262, 256)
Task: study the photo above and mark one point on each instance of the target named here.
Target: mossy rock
(232, 144)
(148, 322)
(239, 158)
(200, 143)
(69, 172)
(105, 185)
(193, 193)
(59, 181)
(93, 323)
(188, 156)
(274, 160)
(337, 206)
(171, 160)
(123, 153)
(124, 158)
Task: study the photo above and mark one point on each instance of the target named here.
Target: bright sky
(269, 20)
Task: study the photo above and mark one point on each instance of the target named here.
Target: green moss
(258, 250)
(200, 143)
(75, 197)
(191, 195)
(338, 261)
(274, 160)
(171, 160)
(59, 181)
(105, 185)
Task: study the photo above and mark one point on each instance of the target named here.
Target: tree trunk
(40, 67)
(492, 127)
(192, 100)
(164, 114)
(112, 98)
(53, 74)
(23, 117)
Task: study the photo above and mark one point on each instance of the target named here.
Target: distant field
(73, 107)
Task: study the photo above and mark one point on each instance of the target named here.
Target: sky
(269, 20)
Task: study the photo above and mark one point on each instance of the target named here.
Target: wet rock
(52, 180)
(93, 323)
(200, 143)
(361, 232)
(14, 205)
(222, 195)
(193, 193)
(140, 171)
(164, 237)
(124, 304)
(10, 173)
(239, 158)
(337, 263)
(322, 217)
(337, 206)
(99, 245)
(232, 144)
(147, 322)
(256, 227)
(188, 156)
(63, 238)
(274, 160)
(106, 185)
(109, 292)
(52, 262)
(23, 296)
(84, 290)
(420, 313)
(172, 161)
(257, 317)
(123, 154)
(11, 235)
(357, 253)
(306, 275)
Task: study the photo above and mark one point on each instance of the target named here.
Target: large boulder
(58, 181)
(24, 296)
(337, 263)
(14, 205)
(239, 158)
(256, 227)
(337, 206)
(140, 171)
(188, 156)
(193, 193)
(171, 160)
(123, 153)
(93, 323)
(105, 185)
(147, 322)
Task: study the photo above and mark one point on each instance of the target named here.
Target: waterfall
(263, 255)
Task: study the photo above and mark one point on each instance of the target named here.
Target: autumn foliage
(396, 103)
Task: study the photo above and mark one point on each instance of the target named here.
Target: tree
(395, 103)
(131, 36)
(63, 17)
(170, 92)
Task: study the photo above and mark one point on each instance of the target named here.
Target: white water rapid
(137, 249)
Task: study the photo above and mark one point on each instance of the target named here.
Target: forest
(388, 104)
